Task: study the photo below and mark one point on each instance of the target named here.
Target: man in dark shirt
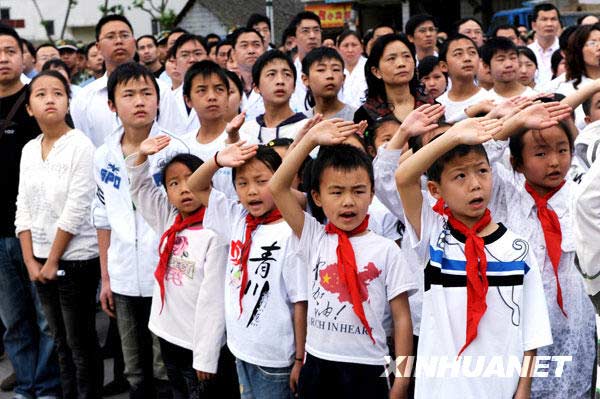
(28, 342)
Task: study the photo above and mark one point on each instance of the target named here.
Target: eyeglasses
(306, 31)
(592, 43)
(112, 37)
(431, 29)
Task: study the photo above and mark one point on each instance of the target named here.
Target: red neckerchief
(165, 251)
(552, 233)
(347, 269)
(476, 268)
(251, 224)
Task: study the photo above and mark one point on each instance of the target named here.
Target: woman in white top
(350, 47)
(59, 244)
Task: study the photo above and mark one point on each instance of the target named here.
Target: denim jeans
(69, 303)
(258, 382)
(133, 314)
(27, 339)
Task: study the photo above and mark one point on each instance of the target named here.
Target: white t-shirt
(256, 131)
(355, 85)
(334, 331)
(528, 92)
(516, 319)
(567, 88)
(263, 334)
(455, 110)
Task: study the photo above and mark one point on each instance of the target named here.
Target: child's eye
(563, 150)
(540, 154)
(483, 170)
(459, 176)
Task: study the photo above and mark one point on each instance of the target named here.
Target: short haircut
(494, 45)
(235, 36)
(176, 30)
(224, 42)
(51, 73)
(587, 105)
(256, 19)
(382, 25)
(185, 38)
(192, 162)
(56, 63)
(6, 30)
(301, 16)
(88, 47)
(267, 58)
(527, 52)
(237, 82)
(212, 36)
(516, 145)
(461, 21)
(505, 27)
(264, 154)
(288, 32)
(147, 37)
(316, 55)
(111, 18)
(29, 45)
(343, 157)
(444, 49)
(427, 65)
(416, 20)
(563, 39)
(544, 7)
(127, 72)
(434, 173)
(46, 45)
(205, 69)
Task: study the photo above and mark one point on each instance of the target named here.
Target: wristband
(217, 162)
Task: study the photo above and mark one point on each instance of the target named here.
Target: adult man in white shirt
(89, 109)
(546, 24)
(421, 30)
(308, 37)
(248, 45)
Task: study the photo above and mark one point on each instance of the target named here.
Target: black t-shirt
(18, 132)
(159, 71)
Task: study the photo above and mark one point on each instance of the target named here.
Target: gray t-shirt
(346, 113)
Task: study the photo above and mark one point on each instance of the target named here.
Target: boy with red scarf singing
(265, 293)
(483, 301)
(355, 276)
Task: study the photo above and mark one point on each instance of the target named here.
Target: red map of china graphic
(331, 281)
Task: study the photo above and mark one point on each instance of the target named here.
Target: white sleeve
(308, 242)
(81, 189)
(221, 214)
(587, 228)
(78, 114)
(149, 200)
(534, 317)
(98, 212)
(384, 169)
(295, 275)
(400, 275)
(22, 215)
(209, 319)
(429, 220)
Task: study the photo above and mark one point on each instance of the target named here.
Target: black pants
(324, 379)
(69, 304)
(184, 381)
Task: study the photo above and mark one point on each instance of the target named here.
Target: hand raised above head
(236, 154)
(422, 119)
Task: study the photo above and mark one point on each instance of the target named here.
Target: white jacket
(133, 249)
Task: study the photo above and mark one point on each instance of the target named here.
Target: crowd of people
(327, 219)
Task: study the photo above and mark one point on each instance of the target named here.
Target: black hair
(280, 142)
(147, 37)
(88, 47)
(110, 18)
(47, 45)
(213, 36)
(343, 157)
(267, 58)
(376, 86)
(127, 72)
(443, 54)
(434, 173)
(461, 21)
(416, 20)
(382, 25)
(504, 27)
(563, 39)
(256, 19)
(235, 36)
(6, 30)
(205, 69)
(237, 82)
(544, 7)
(427, 65)
(177, 30)
(371, 132)
(224, 42)
(290, 31)
(345, 34)
(192, 162)
(587, 106)
(527, 52)
(29, 45)
(555, 60)
(301, 16)
(183, 39)
(56, 63)
(49, 73)
(316, 55)
(494, 45)
(516, 145)
(580, 19)
(415, 143)
(264, 154)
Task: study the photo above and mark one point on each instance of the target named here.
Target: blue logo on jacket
(109, 175)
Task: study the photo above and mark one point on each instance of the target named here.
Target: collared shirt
(355, 85)
(182, 121)
(544, 58)
(297, 103)
(253, 104)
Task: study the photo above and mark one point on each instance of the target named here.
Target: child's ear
(434, 189)
(375, 71)
(255, 87)
(316, 198)
(587, 119)
(112, 106)
(444, 66)
(304, 79)
(28, 110)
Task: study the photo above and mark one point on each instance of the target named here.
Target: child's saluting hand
(543, 115)
(151, 146)
(332, 131)
(235, 154)
(473, 131)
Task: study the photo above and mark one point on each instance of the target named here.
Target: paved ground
(102, 326)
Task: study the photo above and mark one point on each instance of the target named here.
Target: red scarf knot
(347, 268)
(165, 250)
(552, 233)
(476, 268)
